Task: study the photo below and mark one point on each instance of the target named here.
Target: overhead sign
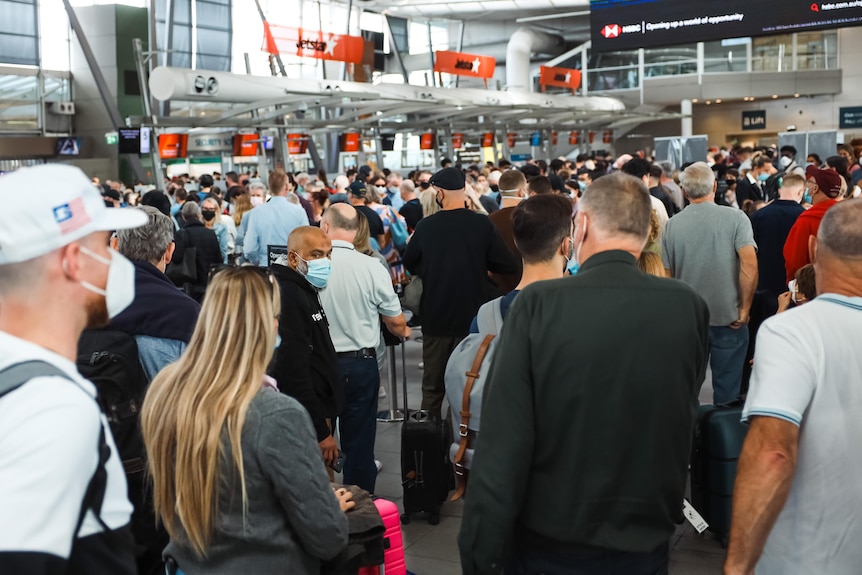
(217, 142)
(850, 117)
(560, 78)
(627, 25)
(754, 120)
(462, 64)
(313, 44)
(173, 146)
(245, 145)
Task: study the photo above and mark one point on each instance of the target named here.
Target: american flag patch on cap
(71, 216)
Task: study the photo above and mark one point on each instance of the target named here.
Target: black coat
(306, 367)
(196, 235)
(745, 190)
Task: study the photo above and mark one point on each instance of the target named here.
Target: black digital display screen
(129, 140)
(630, 24)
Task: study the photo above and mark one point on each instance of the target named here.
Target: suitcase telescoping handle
(404, 378)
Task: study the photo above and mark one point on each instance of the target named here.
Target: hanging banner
(426, 142)
(461, 64)
(592, 137)
(245, 145)
(297, 143)
(312, 44)
(511, 139)
(488, 140)
(555, 137)
(574, 138)
(559, 78)
(457, 141)
(608, 137)
(350, 142)
(173, 146)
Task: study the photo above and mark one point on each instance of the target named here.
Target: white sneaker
(381, 392)
(378, 464)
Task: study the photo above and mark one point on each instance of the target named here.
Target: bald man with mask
(306, 367)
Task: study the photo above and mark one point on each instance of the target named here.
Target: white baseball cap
(47, 207)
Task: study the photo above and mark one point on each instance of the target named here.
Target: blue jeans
(358, 422)
(727, 349)
(533, 562)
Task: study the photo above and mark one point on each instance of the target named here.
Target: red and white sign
(245, 145)
(297, 143)
(350, 142)
(611, 31)
(574, 138)
(426, 141)
(313, 44)
(608, 137)
(555, 138)
(488, 140)
(457, 141)
(511, 139)
(461, 64)
(560, 78)
(173, 146)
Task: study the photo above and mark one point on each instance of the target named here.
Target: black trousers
(533, 562)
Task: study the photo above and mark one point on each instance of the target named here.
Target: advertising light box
(631, 24)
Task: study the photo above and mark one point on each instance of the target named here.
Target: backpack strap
(463, 430)
(16, 375)
(490, 317)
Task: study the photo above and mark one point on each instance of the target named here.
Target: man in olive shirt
(589, 409)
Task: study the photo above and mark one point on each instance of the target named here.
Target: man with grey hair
(670, 184)
(557, 374)
(802, 445)
(161, 318)
(712, 248)
(358, 296)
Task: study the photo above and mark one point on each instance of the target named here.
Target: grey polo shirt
(358, 293)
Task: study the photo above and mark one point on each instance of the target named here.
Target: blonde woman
(428, 199)
(238, 479)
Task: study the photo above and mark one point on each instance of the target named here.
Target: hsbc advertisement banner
(631, 24)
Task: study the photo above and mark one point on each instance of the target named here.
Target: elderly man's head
(340, 222)
(697, 181)
(152, 243)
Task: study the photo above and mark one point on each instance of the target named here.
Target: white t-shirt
(808, 371)
(359, 291)
(49, 438)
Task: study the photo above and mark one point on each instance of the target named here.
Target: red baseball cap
(829, 181)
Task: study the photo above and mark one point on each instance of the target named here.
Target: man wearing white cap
(63, 504)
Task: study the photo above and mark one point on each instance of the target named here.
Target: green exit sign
(112, 138)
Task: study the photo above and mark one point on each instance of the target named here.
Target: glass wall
(817, 50)
(726, 55)
(613, 71)
(19, 37)
(670, 61)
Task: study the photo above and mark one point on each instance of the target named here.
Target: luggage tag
(699, 524)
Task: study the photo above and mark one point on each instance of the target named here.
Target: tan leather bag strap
(463, 429)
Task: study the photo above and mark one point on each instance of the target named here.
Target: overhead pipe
(522, 44)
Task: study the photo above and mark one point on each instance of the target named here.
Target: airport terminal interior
(180, 97)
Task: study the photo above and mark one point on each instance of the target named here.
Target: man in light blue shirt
(271, 223)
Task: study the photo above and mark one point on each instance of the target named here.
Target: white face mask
(120, 289)
(785, 161)
(256, 201)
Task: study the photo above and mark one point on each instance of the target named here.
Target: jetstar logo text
(307, 44)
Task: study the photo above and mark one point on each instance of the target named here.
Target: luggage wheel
(405, 519)
(434, 519)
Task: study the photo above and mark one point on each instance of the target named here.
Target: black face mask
(730, 183)
(425, 185)
(208, 215)
(439, 200)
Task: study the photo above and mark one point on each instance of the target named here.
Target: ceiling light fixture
(718, 101)
(775, 96)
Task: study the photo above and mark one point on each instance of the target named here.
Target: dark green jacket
(588, 415)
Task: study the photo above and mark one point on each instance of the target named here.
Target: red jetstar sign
(611, 31)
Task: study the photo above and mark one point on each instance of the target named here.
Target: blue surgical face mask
(316, 272)
(763, 177)
(277, 341)
(806, 197)
(582, 186)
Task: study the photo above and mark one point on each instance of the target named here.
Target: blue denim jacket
(156, 353)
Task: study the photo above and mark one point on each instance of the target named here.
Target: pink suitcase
(393, 562)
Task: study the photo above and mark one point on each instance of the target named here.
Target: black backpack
(110, 360)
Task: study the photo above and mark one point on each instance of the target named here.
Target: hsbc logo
(611, 31)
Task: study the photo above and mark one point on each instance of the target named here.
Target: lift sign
(754, 120)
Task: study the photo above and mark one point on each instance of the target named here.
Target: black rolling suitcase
(718, 440)
(426, 472)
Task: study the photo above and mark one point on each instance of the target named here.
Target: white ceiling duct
(522, 44)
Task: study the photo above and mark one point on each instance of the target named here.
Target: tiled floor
(433, 550)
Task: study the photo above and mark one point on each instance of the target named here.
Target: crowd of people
(258, 311)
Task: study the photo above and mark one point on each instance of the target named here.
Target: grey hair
(698, 180)
(257, 186)
(620, 205)
(341, 182)
(340, 221)
(840, 233)
(408, 186)
(191, 211)
(147, 243)
(666, 168)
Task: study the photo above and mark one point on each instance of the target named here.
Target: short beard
(97, 312)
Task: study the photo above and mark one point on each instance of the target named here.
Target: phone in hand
(338, 465)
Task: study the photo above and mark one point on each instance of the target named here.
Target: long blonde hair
(362, 241)
(192, 403)
(243, 205)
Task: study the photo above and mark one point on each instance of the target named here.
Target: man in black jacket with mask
(306, 367)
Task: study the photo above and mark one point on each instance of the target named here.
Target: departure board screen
(631, 24)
